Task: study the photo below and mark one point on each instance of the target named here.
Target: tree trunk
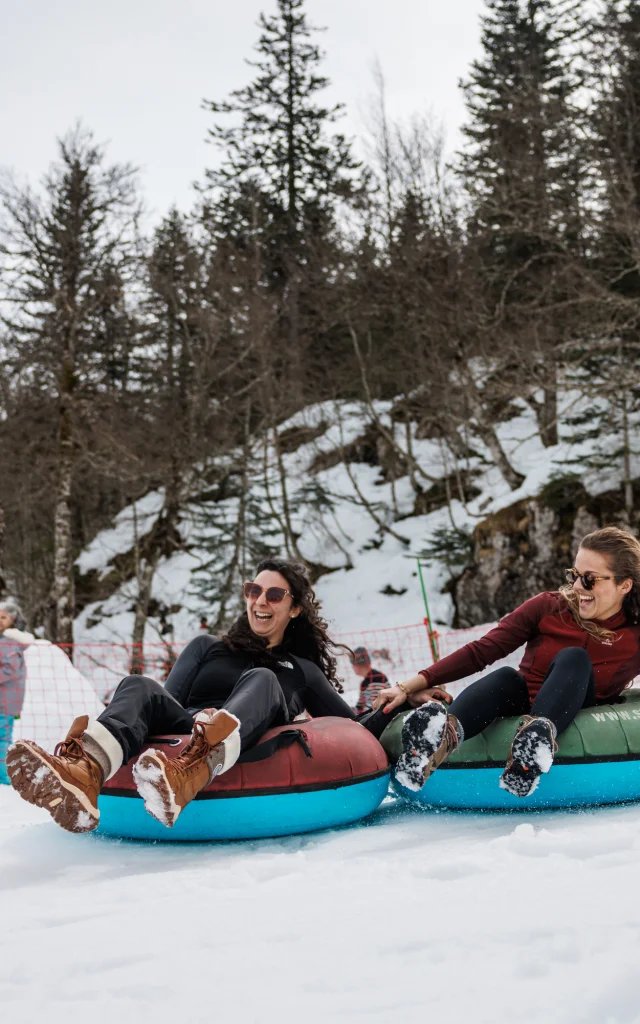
(490, 438)
(626, 461)
(547, 409)
(290, 537)
(238, 563)
(488, 435)
(63, 583)
(145, 575)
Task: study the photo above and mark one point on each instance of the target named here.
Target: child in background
(373, 680)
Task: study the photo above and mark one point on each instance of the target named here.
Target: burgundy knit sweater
(546, 625)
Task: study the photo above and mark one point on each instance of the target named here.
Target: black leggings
(141, 708)
(568, 686)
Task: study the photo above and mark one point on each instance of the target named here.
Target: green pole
(427, 621)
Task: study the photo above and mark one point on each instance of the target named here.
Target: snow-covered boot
(66, 783)
(531, 755)
(429, 735)
(167, 785)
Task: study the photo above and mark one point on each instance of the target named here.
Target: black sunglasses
(274, 595)
(588, 579)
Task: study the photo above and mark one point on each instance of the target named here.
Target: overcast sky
(136, 71)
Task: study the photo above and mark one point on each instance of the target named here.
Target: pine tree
(280, 150)
(174, 369)
(615, 137)
(282, 141)
(234, 528)
(523, 172)
(269, 209)
(607, 358)
(607, 419)
(62, 247)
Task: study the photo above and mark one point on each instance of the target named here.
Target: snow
(353, 599)
(409, 917)
(55, 694)
(135, 520)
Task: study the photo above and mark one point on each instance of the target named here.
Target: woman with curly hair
(275, 662)
(582, 648)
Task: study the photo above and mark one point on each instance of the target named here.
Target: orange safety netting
(402, 651)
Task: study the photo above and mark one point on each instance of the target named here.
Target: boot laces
(194, 753)
(451, 736)
(71, 747)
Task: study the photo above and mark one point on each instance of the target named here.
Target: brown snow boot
(65, 783)
(167, 785)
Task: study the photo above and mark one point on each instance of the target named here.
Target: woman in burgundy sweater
(582, 648)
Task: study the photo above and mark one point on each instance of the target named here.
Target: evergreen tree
(280, 150)
(189, 374)
(607, 420)
(234, 528)
(281, 139)
(615, 126)
(523, 172)
(607, 358)
(62, 248)
(615, 136)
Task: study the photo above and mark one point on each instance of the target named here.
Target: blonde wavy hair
(622, 551)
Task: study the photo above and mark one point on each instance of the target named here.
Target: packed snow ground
(411, 917)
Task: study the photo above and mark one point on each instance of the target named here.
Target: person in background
(12, 623)
(12, 676)
(373, 680)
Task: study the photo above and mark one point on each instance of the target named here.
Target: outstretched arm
(512, 632)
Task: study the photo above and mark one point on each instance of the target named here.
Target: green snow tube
(598, 762)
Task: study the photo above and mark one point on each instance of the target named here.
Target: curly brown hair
(305, 636)
(622, 551)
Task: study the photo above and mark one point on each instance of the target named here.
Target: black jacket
(206, 672)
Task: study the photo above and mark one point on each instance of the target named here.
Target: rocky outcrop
(525, 548)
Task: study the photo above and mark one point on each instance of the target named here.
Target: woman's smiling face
(607, 596)
(270, 619)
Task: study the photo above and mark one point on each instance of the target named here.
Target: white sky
(136, 71)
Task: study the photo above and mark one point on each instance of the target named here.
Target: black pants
(568, 686)
(141, 708)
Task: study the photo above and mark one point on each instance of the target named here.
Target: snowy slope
(409, 918)
(352, 599)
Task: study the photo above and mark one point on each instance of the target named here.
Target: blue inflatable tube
(330, 772)
(247, 817)
(565, 786)
(597, 762)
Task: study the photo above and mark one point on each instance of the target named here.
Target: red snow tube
(331, 772)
